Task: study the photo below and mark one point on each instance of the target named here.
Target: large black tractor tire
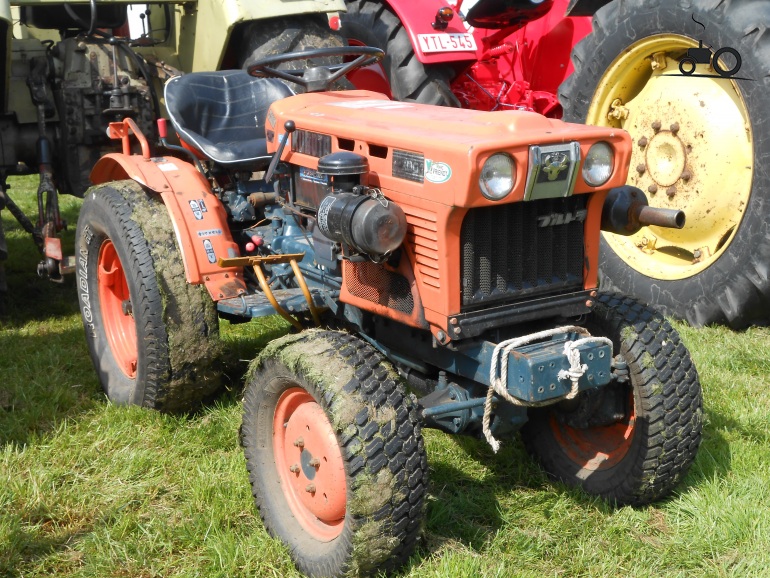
(373, 23)
(716, 270)
(153, 338)
(335, 454)
(265, 38)
(640, 458)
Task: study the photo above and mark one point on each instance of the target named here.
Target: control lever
(289, 127)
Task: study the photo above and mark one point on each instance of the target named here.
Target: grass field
(89, 489)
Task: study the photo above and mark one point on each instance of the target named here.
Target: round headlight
(498, 175)
(597, 167)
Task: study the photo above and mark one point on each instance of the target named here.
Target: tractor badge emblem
(555, 163)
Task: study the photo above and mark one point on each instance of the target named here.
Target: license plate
(449, 42)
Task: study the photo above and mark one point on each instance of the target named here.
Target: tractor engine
(362, 220)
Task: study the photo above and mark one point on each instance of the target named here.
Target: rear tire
(641, 457)
(716, 269)
(328, 396)
(153, 338)
(371, 23)
(265, 38)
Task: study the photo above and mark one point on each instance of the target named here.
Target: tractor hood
(428, 151)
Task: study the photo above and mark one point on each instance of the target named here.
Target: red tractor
(698, 129)
(439, 268)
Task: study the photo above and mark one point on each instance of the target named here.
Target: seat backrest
(222, 114)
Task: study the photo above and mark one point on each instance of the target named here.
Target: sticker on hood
(437, 172)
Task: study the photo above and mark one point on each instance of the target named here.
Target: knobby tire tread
(669, 414)
(367, 448)
(734, 290)
(166, 380)
(373, 23)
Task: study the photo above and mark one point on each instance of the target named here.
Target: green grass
(90, 489)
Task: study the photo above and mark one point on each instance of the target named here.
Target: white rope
(498, 381)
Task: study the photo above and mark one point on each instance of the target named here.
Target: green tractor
(72, 68)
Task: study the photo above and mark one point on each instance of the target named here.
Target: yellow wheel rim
(692, 151)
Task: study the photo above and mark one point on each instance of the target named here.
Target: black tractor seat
(222, 114)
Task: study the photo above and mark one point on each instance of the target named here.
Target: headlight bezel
(610, 166)
(484, 182)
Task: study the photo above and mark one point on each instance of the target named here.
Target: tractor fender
(198, 216)
(417, 18)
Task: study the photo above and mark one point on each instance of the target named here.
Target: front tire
(370, 23)
(640, 457)
(700, 144)
(335, 454)
(153, 338)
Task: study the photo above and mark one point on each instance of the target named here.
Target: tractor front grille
(520, 250)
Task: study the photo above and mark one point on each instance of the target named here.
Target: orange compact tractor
(447, 259)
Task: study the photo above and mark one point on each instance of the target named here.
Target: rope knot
(576, 369)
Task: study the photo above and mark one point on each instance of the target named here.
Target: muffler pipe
(626, 210)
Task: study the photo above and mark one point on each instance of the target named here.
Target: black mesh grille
(519, 250)
(374, 283)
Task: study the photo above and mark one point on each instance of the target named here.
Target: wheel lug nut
(642, 142)
(294, 469)
(640, 169)
(686, 175)
(674, 128)
(299, 442)
(671, 191)
(697, 253)
(314, 463)
(656, 125)
(653, 188)
(310, 488)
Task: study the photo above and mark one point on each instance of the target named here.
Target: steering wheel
(320, 77)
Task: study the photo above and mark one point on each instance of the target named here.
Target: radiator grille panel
(422, 234)
(515, 251)
(374, 283)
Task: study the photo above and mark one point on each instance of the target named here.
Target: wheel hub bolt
(643, 142)
(310, 488)
(294, 469)
(314, 463)
(697, 253)
(656, 125)
(640, 169)
(674, 128)
(653, 188)
(686, 175)
(671, 191)
(299, 442)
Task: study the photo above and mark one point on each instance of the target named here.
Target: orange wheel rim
(117, 314)
(596, 448)
(310, 465)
